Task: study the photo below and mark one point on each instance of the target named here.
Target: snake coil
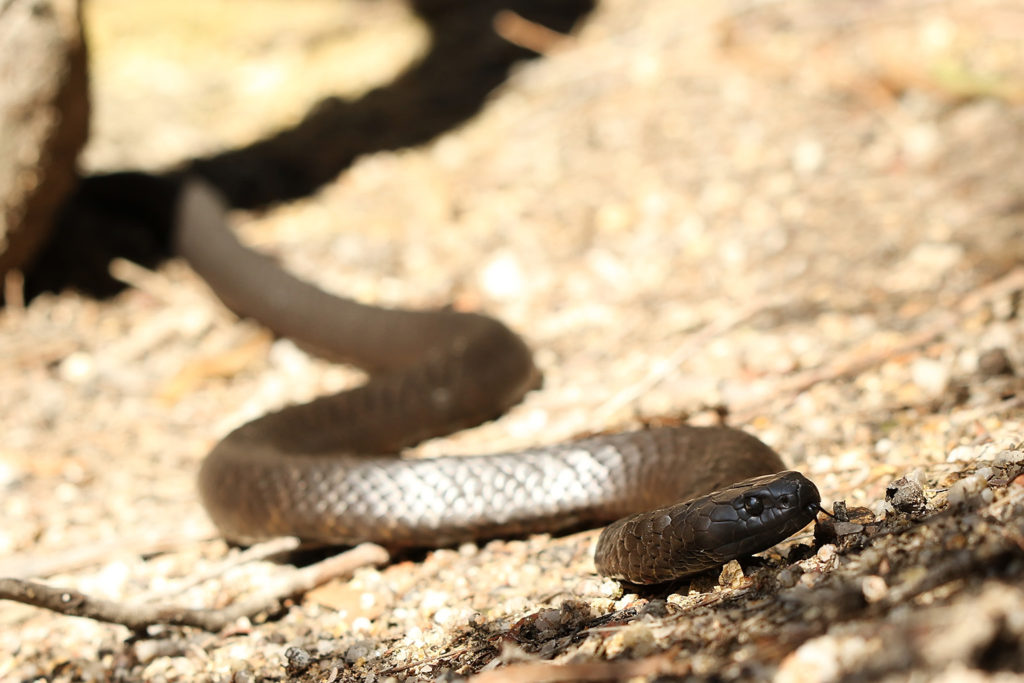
(328, 471)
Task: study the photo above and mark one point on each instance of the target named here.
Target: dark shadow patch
(129, 215)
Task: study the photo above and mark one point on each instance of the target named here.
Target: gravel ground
(803, 215)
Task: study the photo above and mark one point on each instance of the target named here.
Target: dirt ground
(805, 216)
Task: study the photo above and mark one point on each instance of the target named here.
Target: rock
(297, 660)
(44, 116)
(994, 363)
(907, 496)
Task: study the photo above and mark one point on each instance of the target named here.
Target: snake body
(326, 471)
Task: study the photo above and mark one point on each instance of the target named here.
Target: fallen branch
(138, 617)
(260, 551)
(36, 564)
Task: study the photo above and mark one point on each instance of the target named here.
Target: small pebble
(297, 660)
(968, 490)
(808, 157)
(731, 574)
(994, 362)
(10, 473)
(788, 577)
(962, 454)
(906, 495)
(502, 277)
(148, 650)
(874, 588)
(655, 608)
(1009, 457)
(357, 652)
(930, 376)
(636, 639)
(847, 528)
(77, 367)
(826, 553)
(815, 660)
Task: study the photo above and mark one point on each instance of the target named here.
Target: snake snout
(770, 496)
(790, 501)
(792, 490)
(765, 510)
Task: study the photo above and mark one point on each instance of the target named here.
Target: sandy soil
(805, 215)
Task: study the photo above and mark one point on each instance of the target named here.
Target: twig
(520, 31)
(140, 616)
(855, 361)
(583, 671)
(38, 565)
(144, 280)
(260, 551)
(989, 409)
(14, 293)
(847, 364)
(431, 660)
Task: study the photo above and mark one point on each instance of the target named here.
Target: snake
(677, 500)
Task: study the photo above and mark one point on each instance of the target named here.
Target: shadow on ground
(129, 214)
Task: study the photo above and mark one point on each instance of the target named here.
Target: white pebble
(815, 660)
(931, 376)
(77, 367)
(288, 357)
(445, 616)
(962, 454)
(1007, 457)
(9, 473)
(356, 652)
(502, 277)
(920, 144)
(827, 557)
(967, 489)
(808, 157)
(434, 600)
(874, 588)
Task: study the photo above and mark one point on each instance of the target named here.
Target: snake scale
(686, 498)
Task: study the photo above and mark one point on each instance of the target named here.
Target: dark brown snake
(325, 471)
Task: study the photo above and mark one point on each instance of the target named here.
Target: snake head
(755, 514)
(689, 537)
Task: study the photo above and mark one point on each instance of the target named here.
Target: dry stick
(989, 409)
(520, 31)
(846, 364)
(855, 361)
(581, 671)
(25, 565)
(260, 551)
(139, 616)
(144, 280)
(434, 659)
(14, 293)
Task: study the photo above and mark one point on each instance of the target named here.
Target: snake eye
(785, 500)
(753, 505)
